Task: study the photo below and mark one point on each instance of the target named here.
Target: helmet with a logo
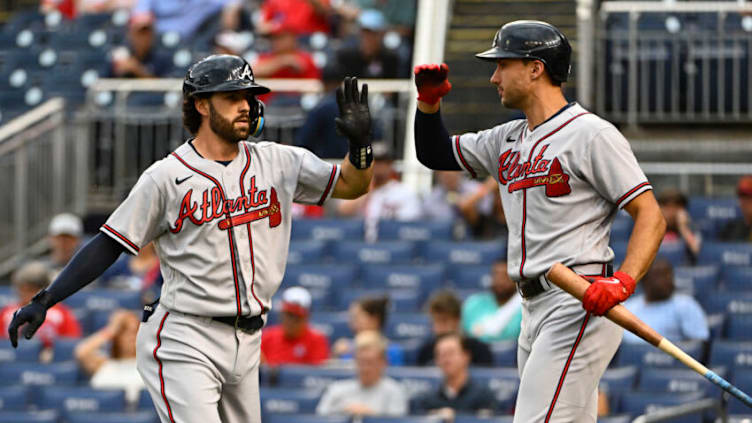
(222, 73)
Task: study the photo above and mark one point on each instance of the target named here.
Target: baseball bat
(575, 285)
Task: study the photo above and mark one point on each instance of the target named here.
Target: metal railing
(126, 139)
(43, 172)
(678, 62)
(670, 413)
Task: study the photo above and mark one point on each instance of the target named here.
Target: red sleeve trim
(328, 186)
(462, 158)
(121, 237)
(632, 191)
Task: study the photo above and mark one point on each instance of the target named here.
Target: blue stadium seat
(504, 353)
(503, 382)
(739, 418)
(323, 280)
(615, 419)
(621, 229)
(472, 276)
(738, 279)
(643, 354)
(699, 280)
(39, 374)
(734, 355)
(712, 213)
(306, 252)
(28, 350)
(7, 296)
(81, 399)
(743, 380)
(46, 416)
(404, 300)
(294, 401)
(637, 403)
(310, 377)
(674, 252)
(332, 324)
(415, 231)
(144, 401)
(133, 417)
(729, 254)
(408, 325)
(468, 252)
(740, 326)
(618, 379)
(327, 229)
(63, 349)
(105, 299)
(726, 302)
(405, 419)
(13, 398)
(304, 418)
(410, 348)
(416, 379)
(476, 419)
(393, 252)
(421, 278)
(620, 251)
(716, 324)
(673, 380)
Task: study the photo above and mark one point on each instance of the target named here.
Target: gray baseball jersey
(561, 185)
(221, 232)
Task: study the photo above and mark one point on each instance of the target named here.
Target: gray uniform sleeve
(316, 178)
(140, 218)
(326, 406)
(612, 169)
(478, 153)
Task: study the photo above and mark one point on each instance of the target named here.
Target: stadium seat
(618, 379)
(467, 252)
(332, 324)
(727, 302)
(716, 324)
(674, 252)
(696, 280)
(476, 419)
(144, 401)
(293, 401)
(404, 419)
(738, 279)
(673, 380)
(728, 254)
(383, 252)
(742, 379)
(504, 353)
(416, 379)
(404, 300)
(734, 355)
(415, 231)
(39, 374)
(13, 398)
(737, 418)
(306, 252)
(323, 280)
(740, 326)
(425, 279)
(615, 419)
(637, 403)
(408, 325)
(7, 296)
(81, 399)
(621, 229)
(470, 276)
(46, 416)
(643, 354)
(105, 299)
(410, 348)
(28, 350)
(63, 349)
(620, 250)
(304, 418)
(712, 213)
(134, 417)
(310, 377)
(503, 382)
(327, 229)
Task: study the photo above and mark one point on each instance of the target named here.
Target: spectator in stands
(399, 14)
(231, 42)
(678, 317)
(116, 370)
(191, 18)
(371, 393)
(294, 341)
(318, 132)
(444, 308)
(448, 196)
(73, 8)
(135, 273)
(64, 236)
(741, 229)
(369, 59)
(141, 58)
(485, 222)
(368, 313)
(678, 226)
(494, 315)
(304, 17)
(458, 393)
(387, 199)
(27, 280)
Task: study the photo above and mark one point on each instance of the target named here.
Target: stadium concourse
(46, 55)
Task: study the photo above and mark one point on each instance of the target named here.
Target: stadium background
(674, 76)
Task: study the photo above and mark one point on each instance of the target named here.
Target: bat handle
(731, 389)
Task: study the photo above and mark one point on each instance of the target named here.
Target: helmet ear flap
(257, 116)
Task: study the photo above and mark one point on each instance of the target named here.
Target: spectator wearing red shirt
(60, 321)
(304, 17)
(293, 341)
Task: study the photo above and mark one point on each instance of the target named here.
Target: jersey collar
(554, 116)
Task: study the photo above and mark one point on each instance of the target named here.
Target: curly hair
(191, 116)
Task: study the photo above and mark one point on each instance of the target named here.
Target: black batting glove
(32, 314)
(354, 122)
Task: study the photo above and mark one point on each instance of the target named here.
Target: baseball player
(563, 174)
(218, 211)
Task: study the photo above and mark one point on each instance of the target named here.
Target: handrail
(677, 6)
(297, 85)
(27, 119)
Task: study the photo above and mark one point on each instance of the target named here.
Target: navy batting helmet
(225, 72)
(532, 40)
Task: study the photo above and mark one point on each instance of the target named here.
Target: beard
(226, 129)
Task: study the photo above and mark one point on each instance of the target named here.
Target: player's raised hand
(432, 82)
(354, 121)
(32, 315)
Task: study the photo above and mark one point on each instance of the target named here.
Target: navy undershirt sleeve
(90, 262)
(433, 146)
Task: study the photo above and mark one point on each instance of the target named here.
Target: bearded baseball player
(218, 211)
(563, 174)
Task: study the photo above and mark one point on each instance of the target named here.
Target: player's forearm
(352, 182)
(648, 231)
(433, 146)
(428, 108)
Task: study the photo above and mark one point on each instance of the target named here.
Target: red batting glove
(432, 82)
(605, 293)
